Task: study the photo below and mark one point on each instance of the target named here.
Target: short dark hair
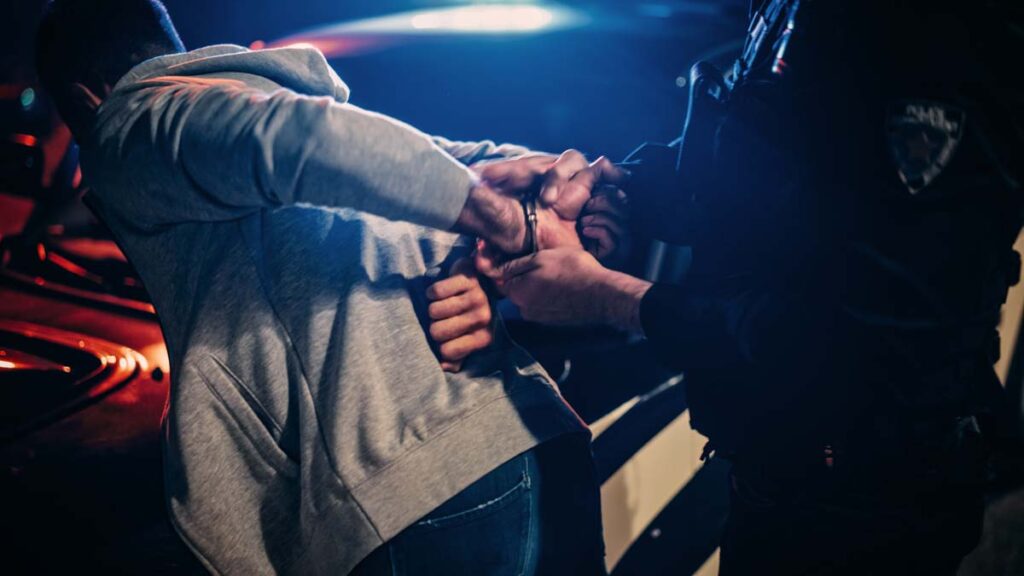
(96, 42)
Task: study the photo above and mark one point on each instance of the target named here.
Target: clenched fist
(460, 315)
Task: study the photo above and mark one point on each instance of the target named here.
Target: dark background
(603, 87)
(91, 482)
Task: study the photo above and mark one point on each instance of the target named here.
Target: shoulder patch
(922, 137)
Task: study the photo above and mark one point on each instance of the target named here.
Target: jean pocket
(502, 487)
(486, 529)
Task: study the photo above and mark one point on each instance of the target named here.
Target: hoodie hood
(301, 68)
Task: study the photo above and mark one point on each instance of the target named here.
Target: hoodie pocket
(251, 419)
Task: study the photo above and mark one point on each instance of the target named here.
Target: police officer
(851, 191)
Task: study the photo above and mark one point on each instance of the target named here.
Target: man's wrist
(494, 217)
(622, 295)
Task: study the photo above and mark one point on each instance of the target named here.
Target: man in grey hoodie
(287, 240)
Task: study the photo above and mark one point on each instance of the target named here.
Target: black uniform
(852, 246)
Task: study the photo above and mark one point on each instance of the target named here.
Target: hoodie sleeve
(202, 149)
(470, 153)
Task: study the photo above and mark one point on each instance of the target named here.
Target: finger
(617, 195)
(517, 174)
(605, 241)
(519, 286)
(514, 268)
(578, 191)
(451, 366)
(451, 286)
(612, 191)
(487, 260)
(463, 346)
(608, 173)
(573, 196)
(567, 165)
(456, 326)
(589, 177)
(603, 221)
(455, 305)
(608, 204)
(464, 266)
(496, 173)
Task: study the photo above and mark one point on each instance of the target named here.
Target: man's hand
(569, 183)
(460, 315)
(548, 175)
(567, 286)
(493, 212)
(567, 191)
(514, 176)
(565, 182)
(493, 216)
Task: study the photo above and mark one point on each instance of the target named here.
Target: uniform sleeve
(204, 149)
(754, 327)
(683, 328)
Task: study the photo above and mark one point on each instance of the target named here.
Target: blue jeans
(538, 513)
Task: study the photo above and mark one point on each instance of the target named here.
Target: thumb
(609, 173)
(549, 197)
(513, 269)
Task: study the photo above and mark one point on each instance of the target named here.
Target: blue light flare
(493, 18)
(347, 38)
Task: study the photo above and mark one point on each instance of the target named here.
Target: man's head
(84, 47)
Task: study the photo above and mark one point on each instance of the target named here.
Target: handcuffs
(531, 244)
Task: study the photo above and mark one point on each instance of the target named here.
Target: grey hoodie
(309, 420)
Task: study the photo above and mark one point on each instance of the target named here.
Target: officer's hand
(567, 286)
(553, 231)
(460, 315)
(603, 225)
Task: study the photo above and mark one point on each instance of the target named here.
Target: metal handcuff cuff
(530, 243)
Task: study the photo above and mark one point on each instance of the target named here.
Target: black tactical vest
(865, 166)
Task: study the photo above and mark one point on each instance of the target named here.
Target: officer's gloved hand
(604, 226)
(658, 205)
